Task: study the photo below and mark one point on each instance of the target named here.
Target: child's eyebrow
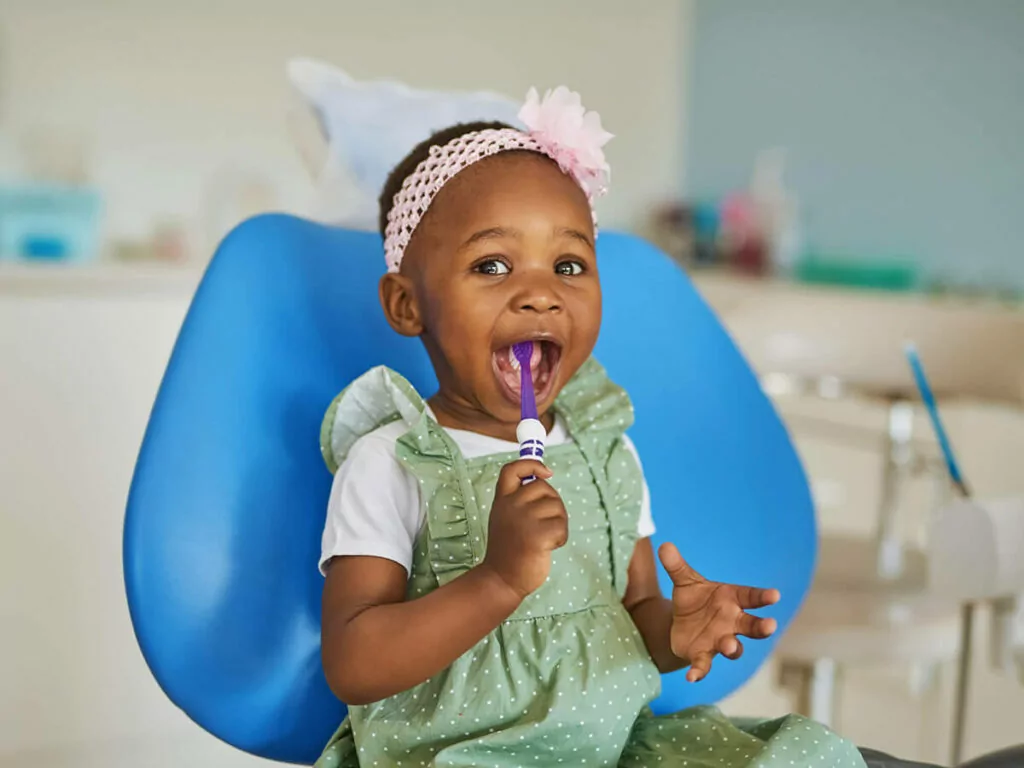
(576, 235)
(493, 233)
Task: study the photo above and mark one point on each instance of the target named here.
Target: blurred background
(837, 177)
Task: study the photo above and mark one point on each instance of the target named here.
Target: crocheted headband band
(557, 126)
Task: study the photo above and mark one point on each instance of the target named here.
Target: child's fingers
(756, 627)
(675, 566)
(700, 665)
(753, 597)
(730, 647)
(513, 474)
(535, 491)
(555, 531)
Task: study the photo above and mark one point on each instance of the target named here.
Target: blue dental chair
(222, 531)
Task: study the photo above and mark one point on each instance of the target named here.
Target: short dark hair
(420, 153)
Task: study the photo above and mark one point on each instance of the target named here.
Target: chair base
(881, 760)
(1011, 757)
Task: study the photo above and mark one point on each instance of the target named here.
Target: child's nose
(538, 296)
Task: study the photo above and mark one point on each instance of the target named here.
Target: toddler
(472, 619)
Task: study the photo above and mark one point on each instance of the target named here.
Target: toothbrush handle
(531, 434)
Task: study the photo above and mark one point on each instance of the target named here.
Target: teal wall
(903, 121)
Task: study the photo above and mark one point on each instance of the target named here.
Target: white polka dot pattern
(566, 680)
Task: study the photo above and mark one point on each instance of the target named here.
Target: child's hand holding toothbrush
(528, 522)
(528, 519)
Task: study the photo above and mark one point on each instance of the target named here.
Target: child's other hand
(707, 616)
(528, 522)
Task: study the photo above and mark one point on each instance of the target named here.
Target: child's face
(505, 254)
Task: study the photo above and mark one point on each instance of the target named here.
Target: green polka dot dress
(566, 680)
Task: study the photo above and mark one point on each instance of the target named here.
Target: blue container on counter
(48, 222)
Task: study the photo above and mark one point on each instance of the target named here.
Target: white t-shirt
(376, 509)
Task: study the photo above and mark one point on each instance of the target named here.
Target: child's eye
(569, 268)
(492, 267)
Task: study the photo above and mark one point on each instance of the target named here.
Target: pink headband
(557, 126)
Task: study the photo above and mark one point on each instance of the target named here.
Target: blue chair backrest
(227, 505)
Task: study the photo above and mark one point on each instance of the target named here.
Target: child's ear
(400, 306)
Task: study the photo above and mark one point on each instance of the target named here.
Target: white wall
(173, 95)
(79, 375)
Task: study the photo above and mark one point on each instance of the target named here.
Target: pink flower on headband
(572, 136)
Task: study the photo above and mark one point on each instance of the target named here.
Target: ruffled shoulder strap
(378, 397)
(381, 396)
(592, 403)
(597, 412)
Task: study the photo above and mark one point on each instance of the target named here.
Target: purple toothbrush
(530, 432)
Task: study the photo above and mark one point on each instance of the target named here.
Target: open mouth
(543, 369)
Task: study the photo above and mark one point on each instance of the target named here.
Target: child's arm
(651, 611)
(702, 619)
(374, 644)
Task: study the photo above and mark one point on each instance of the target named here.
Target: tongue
(509, 369)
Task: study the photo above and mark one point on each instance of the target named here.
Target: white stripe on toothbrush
(531, 436)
